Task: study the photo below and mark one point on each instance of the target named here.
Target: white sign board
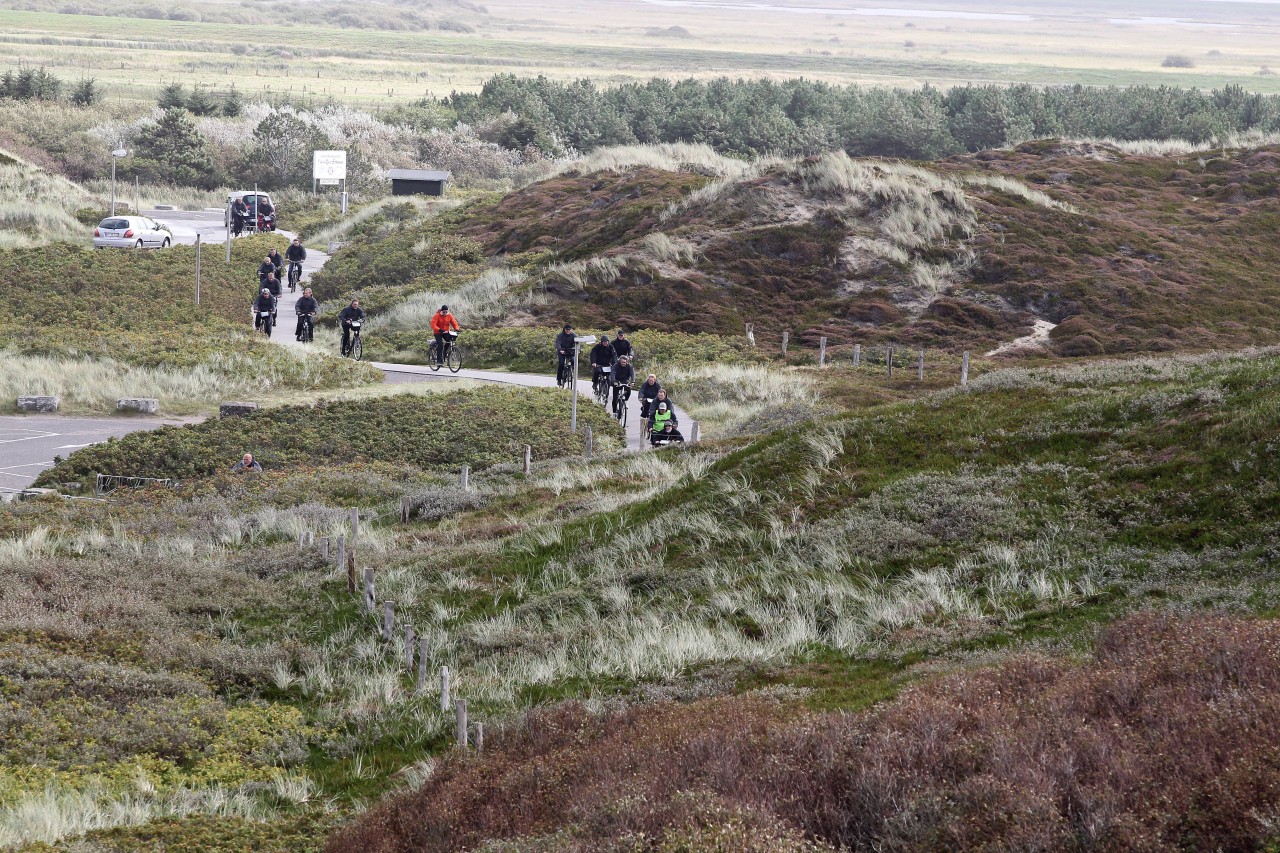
(329, 166)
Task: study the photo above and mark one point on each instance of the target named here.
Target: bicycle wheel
(431, 357)
(357, 349)
(454, 359)
(622, 416)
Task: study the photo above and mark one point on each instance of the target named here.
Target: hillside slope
(1122, 253)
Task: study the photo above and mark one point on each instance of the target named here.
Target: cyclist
(667, 435)
(267, 266)
(264, 302)
(306, 308)
(265, 208)
(663, 414)
(349, 315)
(621, 346)
(564, 350)
(239, 214)
(441, 322)
(296, 253)
(246, 464)
(623, 375)
(276, 261)
(601, 356)
(648, 393)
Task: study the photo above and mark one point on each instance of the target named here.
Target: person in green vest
(662, 415)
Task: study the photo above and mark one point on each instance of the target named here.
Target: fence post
(342, 551)
(857, 355)
(324, 548)
(422, 665)
(479, 738)
(460, 709)
(587, 446)
(351, 572)
(964, 369)
(920, 366)
(751, 333)
(889, 361)
(370, 601)
(197, 267)
(408, 648)
(388, 619)
(444, 689)
(693, 433)
(302, 540)
(528, 459)
(466, 478)
(822, 351)
(355, 526)
(404, 509)
(786, 336)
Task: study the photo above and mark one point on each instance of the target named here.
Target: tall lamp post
(116, 155)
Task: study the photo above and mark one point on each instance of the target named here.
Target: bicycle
(308, 329)
(295, 275)
(452, 354)
(564, 372)
(264, 320)
(602, 385)
(355, 350)
(621, 394)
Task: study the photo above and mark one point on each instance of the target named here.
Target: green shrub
(480, 428)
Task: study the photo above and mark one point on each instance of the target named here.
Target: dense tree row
(803, 116)
(37, 84)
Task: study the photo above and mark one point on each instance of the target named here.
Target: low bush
(483, 427)
(1163, 740)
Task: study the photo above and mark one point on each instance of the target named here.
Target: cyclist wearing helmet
(623, 375)
(441, 323)
(265, 302)
(601, 357)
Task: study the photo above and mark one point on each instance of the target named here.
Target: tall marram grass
(728, 399)
(666, 156)
(485, 300)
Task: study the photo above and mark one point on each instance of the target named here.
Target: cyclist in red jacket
(441, 322)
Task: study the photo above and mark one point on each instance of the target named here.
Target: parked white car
(131, 232)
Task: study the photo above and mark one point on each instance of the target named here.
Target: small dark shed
(417, 181)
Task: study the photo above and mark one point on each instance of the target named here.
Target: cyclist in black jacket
(623, 375)
(601, 356)
(306, 308)
(349, 315)
(621, 346)
(296, 254)
(564, 351)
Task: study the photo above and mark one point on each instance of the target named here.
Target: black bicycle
(564, 373)
(264, 320)
(308, 329)
(621, 394)
(355, 350)
(603, 384)
(295, 275)
(452, 354)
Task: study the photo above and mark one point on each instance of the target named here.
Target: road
(28, 443)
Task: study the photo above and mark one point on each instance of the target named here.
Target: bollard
(422, 665)
(786, 336)
(404, 509)
(388, 619)
(528, 459)
(587, 448)
(444, 689)
(324, 548)
(408, 648)
(370, 602)
(822, 351)
(889, 361)
(479, 738)
(964, 369)
(466, 478)
(460, 710)
(920, 366)
(857, 355)
(693, 433)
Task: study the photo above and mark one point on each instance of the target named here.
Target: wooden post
(342, 551)
(786, 336)
(388, 619)
(920, 366)
(528, 459)
(355, 526)
(324, 548)
(587, 451)
(822, 351)
(444, 689)
(751, 333)
(964, 369)
(408, 647)
(404, 509)
(889, 361)
(311, 537)
(370, 601)
(479, 738)
(351, 572)
(422, 665)
(693, 433)
(302, 540)
(857, 355)
(197, 267)
(466, 478)
(460, 710)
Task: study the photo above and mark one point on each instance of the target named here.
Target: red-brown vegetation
(1166, 739)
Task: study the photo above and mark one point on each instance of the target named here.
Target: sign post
(329, 169)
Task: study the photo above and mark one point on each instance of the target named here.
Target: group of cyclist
(270, 276)
(242, 213)
(613, 378)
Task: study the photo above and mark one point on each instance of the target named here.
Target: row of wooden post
(857, 358)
